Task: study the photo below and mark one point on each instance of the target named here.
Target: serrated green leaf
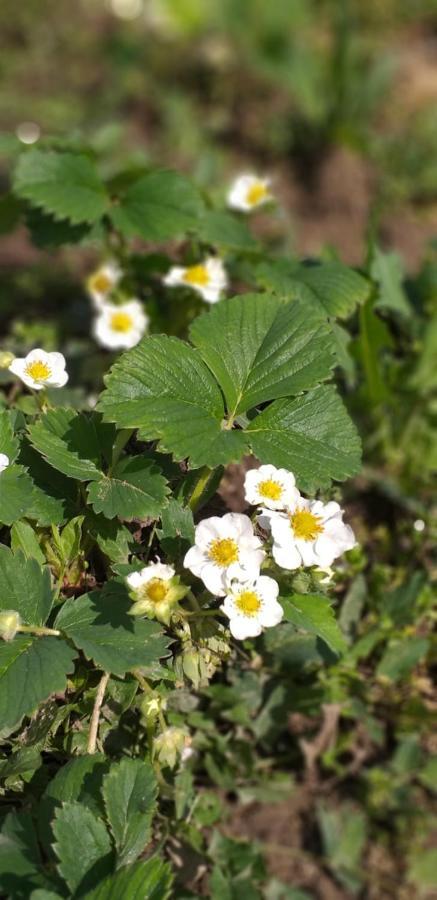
(129, 791)
(31, 668)
(24, 538)
(19, 855)
(312, 436)
(159, 206)
(63, 184)
(83, 847)
(25, 586)
(15, 494)
(71, 442)
(164, 389)
(54, 496)
(47, 231)
(176, 534)
(313, 613)
(135, 489)
(328, 288)
(114, 539)
(80, 779)
(150, 880)
(99, 624)
(260, 348)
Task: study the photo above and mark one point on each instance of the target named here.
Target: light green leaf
(25, 586)
(312, 436)
(260, 348)
(129, 792)
(313, 613)
(24, 538)
(159, 206)
(83, 847)
(388, 272)
(150, 880)
(31, 668)
(63, 184)
(15, 494)
(330, 289)
(71, 442)
(135, 489)
(99, 624)
(225, 230)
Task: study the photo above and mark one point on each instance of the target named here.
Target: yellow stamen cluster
(38, 370)
(248, 602)
(197, 275)
(270, 489)
(306, 525)
(121, 322)
(156, 590)
(256, 193)
(100, 283)
(223, 552)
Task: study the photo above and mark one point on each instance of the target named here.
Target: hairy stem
(39, 630)
(94, 725)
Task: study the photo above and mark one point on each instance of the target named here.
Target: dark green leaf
(25, 586)
(71, 442)
(151, 880)
(134, 490)
(83, 847)
(129, 792)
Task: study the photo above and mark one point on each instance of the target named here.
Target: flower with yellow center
(208, 278)
(252, 606)
(120, 327)
(103, 281)
(40, 369)
(310, 533)
(155, 590)
(225, 548)
(270, 487)
(249, 192)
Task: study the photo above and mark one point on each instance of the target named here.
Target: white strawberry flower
(249, 192)
(40, 369)
(208, 278)
(102, 282)
(4, 462)
(225, 548)
(270, 487)
(310, 533)
(155, 590)
(120, 327)
(252, 606)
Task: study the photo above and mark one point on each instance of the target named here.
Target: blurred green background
(335, 98)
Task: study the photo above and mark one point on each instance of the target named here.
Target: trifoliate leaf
(330, 289)
(313, 613)
(160, 205)
(63, 184)
(313, 436)
(25, 586)
(260, 348)
(129, 792)
(151, 880)
(83, 847)
(31, 668)
(135, 489)
(99, 624)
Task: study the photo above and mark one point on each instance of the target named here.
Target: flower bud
(151, 705)
(169, 745)
(10, 622)
(6, 359)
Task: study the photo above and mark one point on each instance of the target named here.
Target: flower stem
(94, 725)
(39, 630)
(206, 484)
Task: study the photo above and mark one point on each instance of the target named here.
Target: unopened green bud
(151, 705)
(190, 665)
(6, 359)
(302, 583)
(10, 622)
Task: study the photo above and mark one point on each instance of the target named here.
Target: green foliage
(63, 184)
